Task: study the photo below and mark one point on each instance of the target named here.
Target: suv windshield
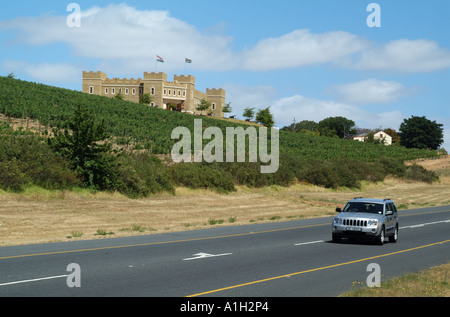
(370, 208)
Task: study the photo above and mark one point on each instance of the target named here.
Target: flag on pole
(159, 59)
(188, 61)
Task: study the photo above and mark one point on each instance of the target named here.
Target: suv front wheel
(381, 237)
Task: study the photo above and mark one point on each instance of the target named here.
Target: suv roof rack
(358, 198)
(387, 199)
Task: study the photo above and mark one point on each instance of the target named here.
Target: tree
(265, 117)
(119, 96)
(83, 143)
(394, 135)
(421, 133)
(145, 99)
(227, 108)
(340, 125)
(203, 106)
(249, 113)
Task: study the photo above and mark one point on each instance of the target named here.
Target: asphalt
(284, 259)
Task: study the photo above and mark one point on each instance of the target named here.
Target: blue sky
(307, 60)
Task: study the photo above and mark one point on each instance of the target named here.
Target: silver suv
(366, 218)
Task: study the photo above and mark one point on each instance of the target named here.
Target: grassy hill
(319, 160)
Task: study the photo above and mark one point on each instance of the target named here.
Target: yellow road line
(316, 269)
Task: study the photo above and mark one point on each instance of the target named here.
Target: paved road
(289, 259)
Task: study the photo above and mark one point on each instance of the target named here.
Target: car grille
(355, 222)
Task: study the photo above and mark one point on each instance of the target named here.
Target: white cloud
(44, 72)
(242, 97)
(124, 38)
(300, 108)
(301, 48)
(370, 91)
(409, 56)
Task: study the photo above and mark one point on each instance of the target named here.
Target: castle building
(180, 92)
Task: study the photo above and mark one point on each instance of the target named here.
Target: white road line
(312, 242)
(425, 224)
(34, 280)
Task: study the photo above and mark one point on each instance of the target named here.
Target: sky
(305, 59)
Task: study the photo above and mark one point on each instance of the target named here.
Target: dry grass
(41, 216)
(434, 282)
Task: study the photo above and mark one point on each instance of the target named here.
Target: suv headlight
(337, 221)
(372, 223)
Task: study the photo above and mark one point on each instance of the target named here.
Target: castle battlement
(215, 92)
(184, 79)
(155, 76)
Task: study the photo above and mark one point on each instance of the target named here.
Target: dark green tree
(203, 106)
(249, 113)
(83, 143)
(265, 117)
(227, 108)
(340, 125)
(421, 133)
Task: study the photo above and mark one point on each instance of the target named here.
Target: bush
(26, 160)
(202, 175)
(419, 173)
(11, 178)
(141, 175)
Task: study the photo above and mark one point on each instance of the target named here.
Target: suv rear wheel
(394, 237)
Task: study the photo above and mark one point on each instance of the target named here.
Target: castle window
(184, 93)
(106, 91)
(165, 93)
(133, 91)
(179, 92)
(91, 90)
(170, 92)
(152, 91)
(213, 106)
(113, 91)
(127, 91)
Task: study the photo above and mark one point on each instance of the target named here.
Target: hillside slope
(152, 127)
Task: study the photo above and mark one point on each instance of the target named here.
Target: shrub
(419, 173)
(202, 175)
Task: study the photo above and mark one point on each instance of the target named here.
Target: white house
(384, 137)
(380, 135)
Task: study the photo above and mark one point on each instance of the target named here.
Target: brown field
(41, 216)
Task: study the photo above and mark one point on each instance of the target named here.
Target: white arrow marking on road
(199, 256)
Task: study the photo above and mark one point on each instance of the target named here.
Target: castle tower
(189, 81)
(217, 99)
(153, 84)
(93, 82)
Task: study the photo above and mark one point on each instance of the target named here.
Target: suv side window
(388, 208)
(394, 209)
(391, 207)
